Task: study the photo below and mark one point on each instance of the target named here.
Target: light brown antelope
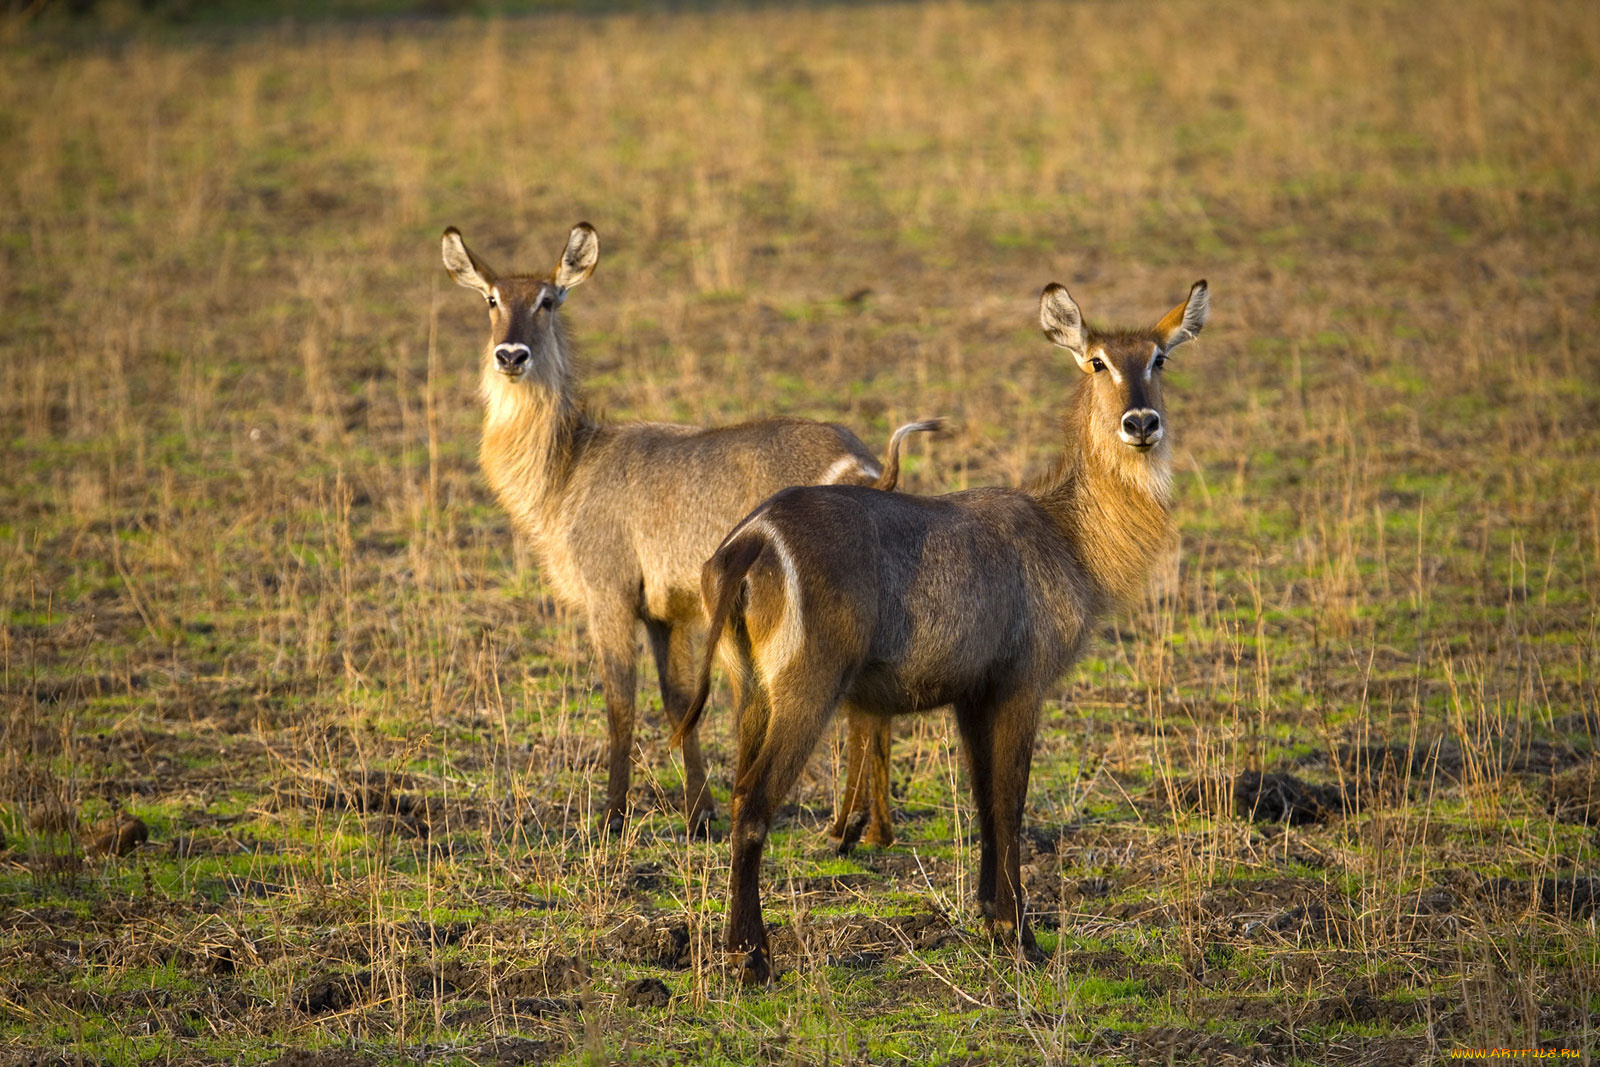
(893, 604)
(621, 517)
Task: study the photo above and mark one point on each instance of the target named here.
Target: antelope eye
(1097, 365)
(494, 301)
(1159, 362)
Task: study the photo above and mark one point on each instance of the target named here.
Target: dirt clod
(521, 1008)
(1576, 797)
(377, 792)
(328, 1057)
(406, 826)
(1573, 898)
(647, 993)
(117, 837)
(330, 992)
(647, 876)
(661, 944)
(556, 974)
(1283, 798)
(51, 816)
(1258, 796)
(438, 935)
(514, 1051)
(856, 960)
(1174, 1045)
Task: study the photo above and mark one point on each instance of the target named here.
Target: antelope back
(676, 491)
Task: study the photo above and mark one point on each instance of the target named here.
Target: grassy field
(256, 594)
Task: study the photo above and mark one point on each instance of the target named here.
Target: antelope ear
(466, 268)
(1183, 322)
(577, 262)
(1063, 322)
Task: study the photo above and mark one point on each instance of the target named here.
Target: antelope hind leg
(863, 813)
(673, 649)
(777, 734)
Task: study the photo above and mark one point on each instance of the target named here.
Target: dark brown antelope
(894, 604)
(621, 517)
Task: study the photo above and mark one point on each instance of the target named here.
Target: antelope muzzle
(512, 358)
(1141, 428)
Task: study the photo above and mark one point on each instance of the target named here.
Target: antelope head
(524, 337)
(1124, 367)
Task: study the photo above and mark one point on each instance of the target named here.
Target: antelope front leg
(614, 644)
(1011, 736)
(999, 743)
(673, 648)
(864, 810)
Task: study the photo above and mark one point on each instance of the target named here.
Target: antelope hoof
(1003, 933)
(847, 831)
(614, 822)
(878, 836)
(700, 828)
(755, 969)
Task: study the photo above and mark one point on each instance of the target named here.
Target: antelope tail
(720, 583)
(891, 463)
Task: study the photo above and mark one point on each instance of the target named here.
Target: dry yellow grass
(244, 548)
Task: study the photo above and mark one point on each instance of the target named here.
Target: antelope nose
(510, 357)
(1141, 423)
